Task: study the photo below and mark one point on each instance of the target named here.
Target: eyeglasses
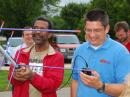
(35, 27)
(96, 31)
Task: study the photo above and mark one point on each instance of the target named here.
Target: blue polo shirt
(111, 61)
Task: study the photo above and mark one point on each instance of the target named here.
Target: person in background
(121, 30)
(44, 73)
(27, 37)
(27, 41)
(101, 63)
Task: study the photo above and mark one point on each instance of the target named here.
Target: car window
(67, 39)
(15, 41)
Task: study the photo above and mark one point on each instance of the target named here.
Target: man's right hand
(23, 74)
(18, 74)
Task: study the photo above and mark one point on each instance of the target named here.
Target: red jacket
(48, 83)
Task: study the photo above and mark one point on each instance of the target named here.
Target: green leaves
(20, 13)
(118, 10)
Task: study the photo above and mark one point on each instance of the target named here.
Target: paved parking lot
(65, 92)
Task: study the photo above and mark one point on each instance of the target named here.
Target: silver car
(12, 43)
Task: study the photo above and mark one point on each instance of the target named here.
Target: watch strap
(102, 89)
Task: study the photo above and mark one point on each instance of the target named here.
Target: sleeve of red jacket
(13, 81)
(52, 79)
(11, 71)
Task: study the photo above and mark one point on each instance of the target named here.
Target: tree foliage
(118, 10)
(19, 13)
(58, 22)
(73, 15)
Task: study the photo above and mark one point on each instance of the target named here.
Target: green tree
(118, 10)
(58, 22)
(73, 16)
(19, 13)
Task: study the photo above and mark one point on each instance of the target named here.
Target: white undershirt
(95, 47)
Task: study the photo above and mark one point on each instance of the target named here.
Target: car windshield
(67, 39)
(13, 42)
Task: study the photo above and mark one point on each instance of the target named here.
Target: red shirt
(128, 46)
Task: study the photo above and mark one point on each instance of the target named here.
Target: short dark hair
(43, 19)
(121, 25)
(97, 15)
(26, 27)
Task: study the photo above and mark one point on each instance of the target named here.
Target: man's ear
(107, 28)
(50, 35)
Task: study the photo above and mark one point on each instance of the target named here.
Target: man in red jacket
(39, 79)
(122, 33)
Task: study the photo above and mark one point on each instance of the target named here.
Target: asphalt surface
(65, 92)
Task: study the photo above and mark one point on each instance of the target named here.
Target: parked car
(11, 45)
(66, 44)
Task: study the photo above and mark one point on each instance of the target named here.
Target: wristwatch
(102, 89)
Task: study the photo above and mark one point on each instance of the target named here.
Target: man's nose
(92, 34)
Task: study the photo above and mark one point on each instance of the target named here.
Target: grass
(4, 80)
(66, 81)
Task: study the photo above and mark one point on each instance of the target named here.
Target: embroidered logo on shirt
(105, 61)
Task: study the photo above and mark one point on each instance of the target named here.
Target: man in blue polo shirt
(107, 61)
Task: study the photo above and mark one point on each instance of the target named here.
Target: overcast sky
(64, 2)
